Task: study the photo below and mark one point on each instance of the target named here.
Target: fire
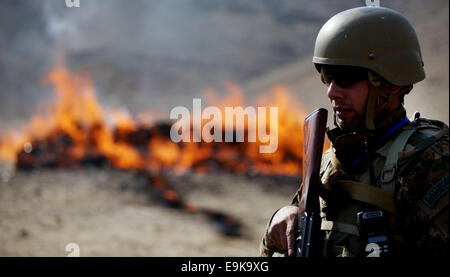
(119, 154)
(76, 117)
(75, 131)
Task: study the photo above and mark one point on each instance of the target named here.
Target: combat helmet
(375, 38)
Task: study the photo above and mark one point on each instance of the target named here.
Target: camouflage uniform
(410, 159)
(419, 187)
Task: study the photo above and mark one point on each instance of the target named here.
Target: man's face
(348, 90)
(349, 104)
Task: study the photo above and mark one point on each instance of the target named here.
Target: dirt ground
(108, 213)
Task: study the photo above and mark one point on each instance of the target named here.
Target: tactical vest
(391, 163)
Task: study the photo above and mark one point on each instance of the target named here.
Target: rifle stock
(309, 239)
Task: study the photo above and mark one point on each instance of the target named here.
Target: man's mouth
(342, 111)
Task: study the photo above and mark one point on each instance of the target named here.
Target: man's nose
(335, 92)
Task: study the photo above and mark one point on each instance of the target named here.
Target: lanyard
(383, 138)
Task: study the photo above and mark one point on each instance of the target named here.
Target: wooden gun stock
(309, 241)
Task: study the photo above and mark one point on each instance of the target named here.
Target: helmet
(378, 39)
(375, 38)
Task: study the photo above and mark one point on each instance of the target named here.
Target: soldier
(369, 58)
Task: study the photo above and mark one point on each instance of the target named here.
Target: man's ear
(391, 89)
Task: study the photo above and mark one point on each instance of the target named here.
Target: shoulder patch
(436, 192)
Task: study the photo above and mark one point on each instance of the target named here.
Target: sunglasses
(343, 76)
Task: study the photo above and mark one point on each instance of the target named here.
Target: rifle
(309, 241)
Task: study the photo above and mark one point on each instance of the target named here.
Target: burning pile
(74, 132)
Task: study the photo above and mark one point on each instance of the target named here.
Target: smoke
(152, 54)
(147, 54)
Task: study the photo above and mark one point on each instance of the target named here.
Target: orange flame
(77, 113)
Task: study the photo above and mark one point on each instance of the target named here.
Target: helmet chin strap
(376, 92)
(375, 89)
(374, 106)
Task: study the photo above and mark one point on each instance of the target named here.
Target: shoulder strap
(368, 194)
(390, 167)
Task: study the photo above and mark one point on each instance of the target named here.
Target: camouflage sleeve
(423, 199)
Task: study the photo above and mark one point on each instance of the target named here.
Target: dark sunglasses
(343, 76)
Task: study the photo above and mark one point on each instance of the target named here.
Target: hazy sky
(141, 50)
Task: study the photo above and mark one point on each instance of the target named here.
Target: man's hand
(282, 229)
